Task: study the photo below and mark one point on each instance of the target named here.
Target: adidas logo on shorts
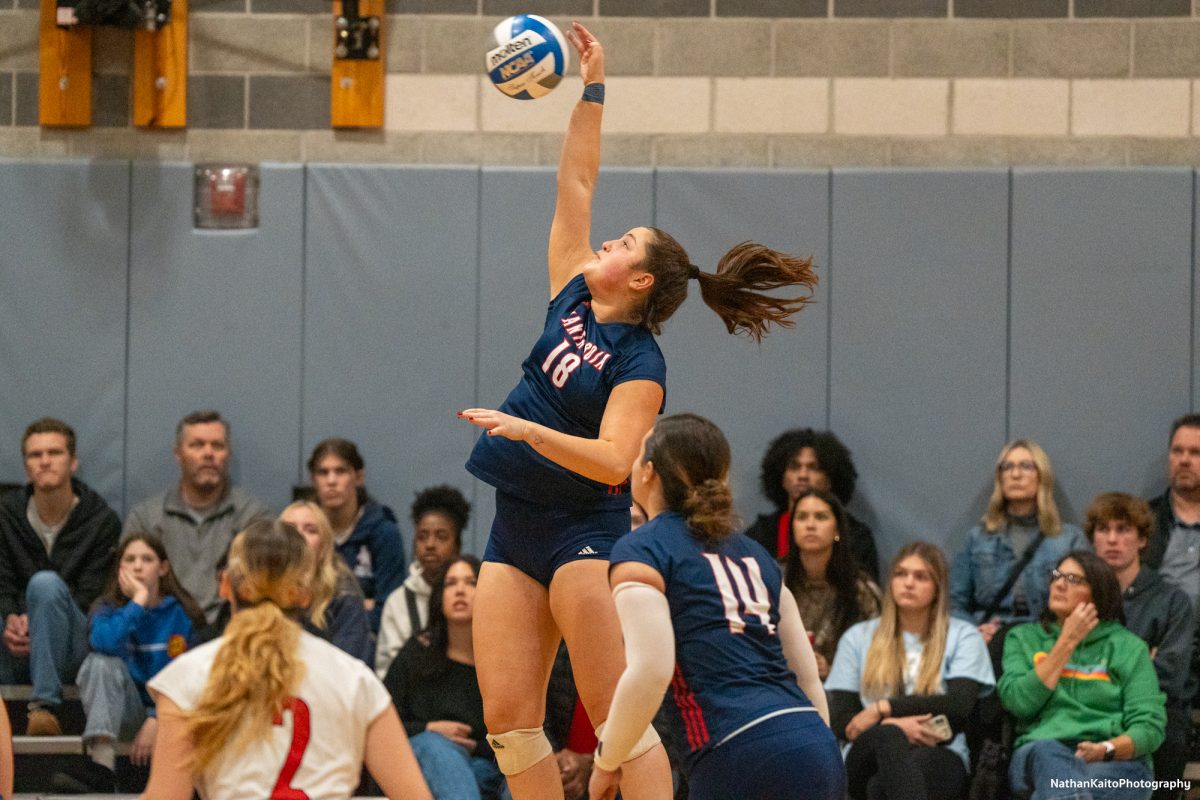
(587, 551)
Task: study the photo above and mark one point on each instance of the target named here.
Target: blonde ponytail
(252, 677)
(256, 669)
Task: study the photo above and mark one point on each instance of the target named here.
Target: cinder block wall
(692, 82)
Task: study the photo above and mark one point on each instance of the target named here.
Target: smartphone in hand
(940, 727)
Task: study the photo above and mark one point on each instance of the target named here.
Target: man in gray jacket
(198, 517)
(1119, 527)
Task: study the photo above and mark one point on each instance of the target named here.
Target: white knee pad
(517, 751)
(648, 740)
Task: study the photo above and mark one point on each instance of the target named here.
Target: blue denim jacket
(983, 564)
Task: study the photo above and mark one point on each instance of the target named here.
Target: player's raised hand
(591, 53)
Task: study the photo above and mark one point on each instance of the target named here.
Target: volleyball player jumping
(559, 451)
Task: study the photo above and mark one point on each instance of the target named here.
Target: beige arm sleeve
(649, 663)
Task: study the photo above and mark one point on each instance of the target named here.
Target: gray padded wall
(64, 229)
(434, 278)
(918, 345)
(752, 391)
(516, 208)
(1195, 295)
(390, 327)
(214, 322)
(1101, 322)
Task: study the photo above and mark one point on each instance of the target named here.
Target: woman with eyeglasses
(1022, 518)
(1083, 690)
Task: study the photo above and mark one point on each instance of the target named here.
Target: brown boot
(42, 722)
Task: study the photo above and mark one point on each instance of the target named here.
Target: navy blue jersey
(565, 385)
(730, 670)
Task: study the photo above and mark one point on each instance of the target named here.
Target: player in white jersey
(267, 710)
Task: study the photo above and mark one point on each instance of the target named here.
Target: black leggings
(882, 765)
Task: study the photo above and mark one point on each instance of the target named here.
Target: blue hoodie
(375, 554)
(146, 639)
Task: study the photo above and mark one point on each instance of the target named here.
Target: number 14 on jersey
(752, 592)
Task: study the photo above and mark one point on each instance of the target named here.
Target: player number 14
(751, 590)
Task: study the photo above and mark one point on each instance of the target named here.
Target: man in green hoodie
(1084, 692)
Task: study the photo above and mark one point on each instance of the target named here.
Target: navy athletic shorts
(538, 539)
(782, 758)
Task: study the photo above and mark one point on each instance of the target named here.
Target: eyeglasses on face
(1069, 577)
(1018, 466)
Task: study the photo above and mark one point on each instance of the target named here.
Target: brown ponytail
(256, 669)
(691, 457)
(734, 291)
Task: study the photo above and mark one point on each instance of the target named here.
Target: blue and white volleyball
(530, 57)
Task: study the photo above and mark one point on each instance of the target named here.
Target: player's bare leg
(582, 604)
(516, 641)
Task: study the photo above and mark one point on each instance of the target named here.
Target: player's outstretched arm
(630, 412)
(569, 247)
(170, 776)
(649, 662)
(797, 649)
(390, 759)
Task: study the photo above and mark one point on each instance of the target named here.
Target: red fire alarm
(226, 196)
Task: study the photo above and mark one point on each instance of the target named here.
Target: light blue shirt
(966, 657)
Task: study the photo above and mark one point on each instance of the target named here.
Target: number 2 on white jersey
(301, 729)
(750, 589)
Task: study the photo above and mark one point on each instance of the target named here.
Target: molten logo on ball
(529, 58)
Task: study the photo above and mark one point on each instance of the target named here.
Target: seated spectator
(1119, 527)
(1021, 520)
(1082, 689)
(891, 676)
(336, 612)
(1172, 550)
(439, 515)
(365, 532)
(143, 620)
(795, 462)
(435, 689)
(57, 539)
(831, 590)
(197, 518)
